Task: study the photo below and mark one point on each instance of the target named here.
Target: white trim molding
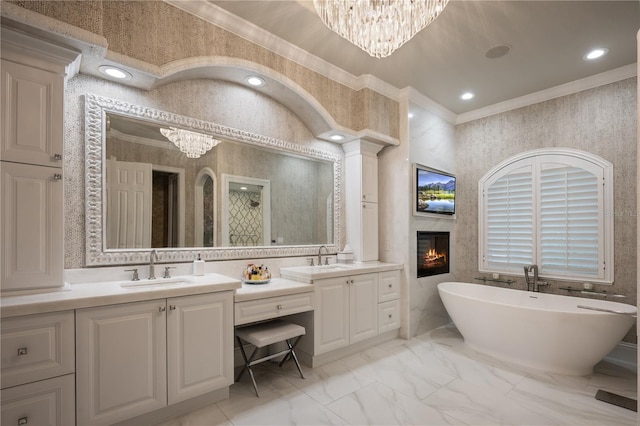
(607, 77)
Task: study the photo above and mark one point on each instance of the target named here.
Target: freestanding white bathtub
(537, 330)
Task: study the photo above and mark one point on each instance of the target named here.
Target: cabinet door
(363, 300)
(32, 115)
(199, 345)
(370, 178)
(31, 229)
(369, 232)
(120, 361)
(47, 402)
(331, 316)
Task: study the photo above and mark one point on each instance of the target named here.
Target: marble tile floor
(433, 379)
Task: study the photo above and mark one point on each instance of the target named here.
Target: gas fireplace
(433, 253)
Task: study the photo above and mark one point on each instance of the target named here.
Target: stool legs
(247, 365)
(248, 362)
(292, 354)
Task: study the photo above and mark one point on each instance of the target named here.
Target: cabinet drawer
(37, 347)
(47, 402)
(388, 286)
(388, 316)
(273, 307)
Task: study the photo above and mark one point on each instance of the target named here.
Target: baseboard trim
(625, 355)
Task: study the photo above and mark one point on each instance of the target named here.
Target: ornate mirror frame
(96, 108)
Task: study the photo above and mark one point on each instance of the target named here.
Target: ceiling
(548, 40)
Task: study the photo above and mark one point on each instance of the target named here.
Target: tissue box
(344, 257)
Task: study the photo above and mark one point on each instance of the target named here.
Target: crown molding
(607, 77)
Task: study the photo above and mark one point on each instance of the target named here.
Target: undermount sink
(156, 282)
(309, 273)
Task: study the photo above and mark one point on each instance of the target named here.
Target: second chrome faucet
(153, 256)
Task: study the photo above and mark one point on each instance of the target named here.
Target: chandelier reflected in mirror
(378, 27)
(193, 144)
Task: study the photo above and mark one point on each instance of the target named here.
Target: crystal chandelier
(193, 144)
(378, 27)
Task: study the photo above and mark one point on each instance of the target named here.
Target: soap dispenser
(198, 266)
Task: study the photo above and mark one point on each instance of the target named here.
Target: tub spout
(533, 283)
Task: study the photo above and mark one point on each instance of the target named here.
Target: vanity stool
(265, 334)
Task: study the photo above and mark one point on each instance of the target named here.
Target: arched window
(550, 207)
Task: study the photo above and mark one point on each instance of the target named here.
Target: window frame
(536, 159)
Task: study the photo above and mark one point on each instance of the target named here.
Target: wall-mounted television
(434, 192)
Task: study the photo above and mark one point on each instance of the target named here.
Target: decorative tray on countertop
(256, 281)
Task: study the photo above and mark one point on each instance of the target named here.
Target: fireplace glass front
(433, 253)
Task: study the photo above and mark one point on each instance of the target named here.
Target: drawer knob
(22, 351)
(162, 308)
(279, 307)
(172, 307)
(390, 316)
(57, 176)
(390, 285)
(57, 157)
(23, 420)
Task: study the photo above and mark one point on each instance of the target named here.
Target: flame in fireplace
(432, 256)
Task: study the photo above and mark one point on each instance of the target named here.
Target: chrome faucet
(152, 258)
(326, 259)
(533, 285)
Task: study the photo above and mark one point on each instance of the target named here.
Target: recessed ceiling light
(336, 137)
(114, 72)
(254, 80)
(595, 54)
(466, 96)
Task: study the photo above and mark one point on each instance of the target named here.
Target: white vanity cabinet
(388, 301)
(346, 311)
(31, 153)
(137, 357)
(38, 362)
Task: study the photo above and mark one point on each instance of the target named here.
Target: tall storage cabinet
(361, 177)
(31, 153)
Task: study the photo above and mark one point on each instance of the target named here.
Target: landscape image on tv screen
(435, 192)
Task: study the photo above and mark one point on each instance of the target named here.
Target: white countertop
(76, 296)
(310, 273)
(275, 287)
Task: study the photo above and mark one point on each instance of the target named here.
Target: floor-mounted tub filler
(549, 332)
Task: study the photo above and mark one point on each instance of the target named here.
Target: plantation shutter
(550, 207)
(570, 225)
(509, 221)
